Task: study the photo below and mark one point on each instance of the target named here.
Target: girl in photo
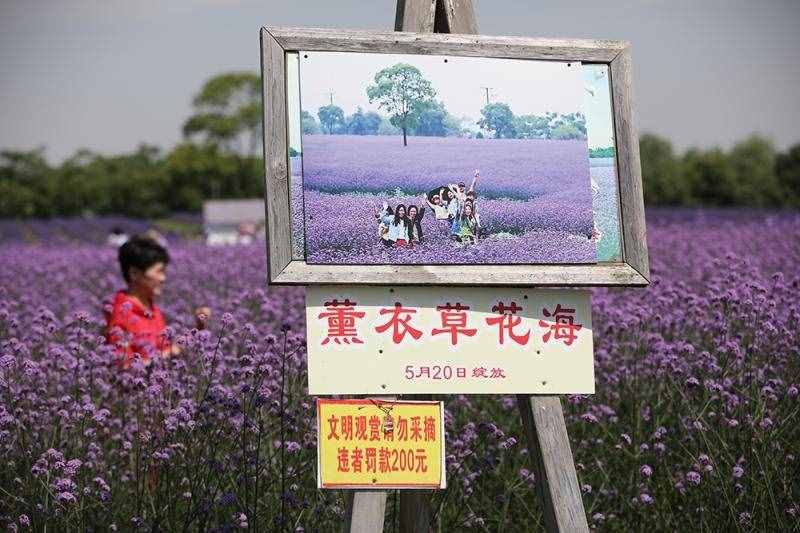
(468, 224)
(397, 226)
(384, 216)
(414, 224)
(436, 204)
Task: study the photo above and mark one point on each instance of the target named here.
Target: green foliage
(533, 126)
(498, 120)
(435, 121)
(602, 152)
(331, 117)
(566, 132)
(143, 184)
(227, 112)
(404, 93)
(571, 122)
(309, 123)
(360, 123)
(787, 170)
(751, 174)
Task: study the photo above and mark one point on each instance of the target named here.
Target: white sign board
(441, 340)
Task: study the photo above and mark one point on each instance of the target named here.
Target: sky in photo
(528, 87)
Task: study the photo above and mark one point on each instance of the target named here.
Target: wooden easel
(542, 416)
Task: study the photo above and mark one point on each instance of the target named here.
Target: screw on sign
(454, 321)
(563, 326)
(341, 318)
(507, 321)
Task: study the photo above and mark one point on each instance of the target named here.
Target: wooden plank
(634, 231)
(415, 511)
(365, 511)
(276, 163)
(591, 275)
(556, 480)
(460, 16)
(415, 16)
(321, 39)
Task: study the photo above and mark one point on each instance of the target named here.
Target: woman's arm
(475, 181)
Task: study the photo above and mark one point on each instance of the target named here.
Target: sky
(528, 87)
(108, 75)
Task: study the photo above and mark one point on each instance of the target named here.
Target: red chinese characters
(563, 326)
(454, 322)
(507, 321)
(399, 322)
(341, 318)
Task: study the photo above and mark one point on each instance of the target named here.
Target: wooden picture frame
(632, 270)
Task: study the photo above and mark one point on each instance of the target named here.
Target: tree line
(220, 158)
(403, 92)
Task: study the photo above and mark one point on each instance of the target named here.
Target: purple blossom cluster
(510, 168)
(693, 426)
(534, 199)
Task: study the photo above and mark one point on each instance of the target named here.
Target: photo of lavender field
(434, 168)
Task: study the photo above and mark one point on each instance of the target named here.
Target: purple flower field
(534, 198)
(694, 426)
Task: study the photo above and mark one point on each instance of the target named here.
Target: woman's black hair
(140, 252)
(463, 214)
(397, 213)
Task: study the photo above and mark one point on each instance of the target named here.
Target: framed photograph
(413, 159)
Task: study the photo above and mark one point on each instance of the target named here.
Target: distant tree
(787, 169)
(331, 117)
(532, 127)
(606, 152)
(498, 120)
(754, 181)
(435, 121)
(387, 128)
(566, 131)
(26, 184)
(360, 123)
(403, 92)
(308, 123)
(571, 122)
(663, 184)
(708, 177)
(198, 173)
(227, 110)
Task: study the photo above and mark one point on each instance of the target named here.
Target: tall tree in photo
(331, 117)
(498, 119)
(404, 93)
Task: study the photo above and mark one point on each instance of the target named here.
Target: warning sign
(373, 443)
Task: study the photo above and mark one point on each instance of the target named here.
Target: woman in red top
(135, 325)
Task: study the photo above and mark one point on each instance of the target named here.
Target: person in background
(117, 237)
(135, 325)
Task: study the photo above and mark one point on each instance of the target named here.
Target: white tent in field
(233, 221)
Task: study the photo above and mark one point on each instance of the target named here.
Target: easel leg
(365, 512)
(415, 511)
(556, 480)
